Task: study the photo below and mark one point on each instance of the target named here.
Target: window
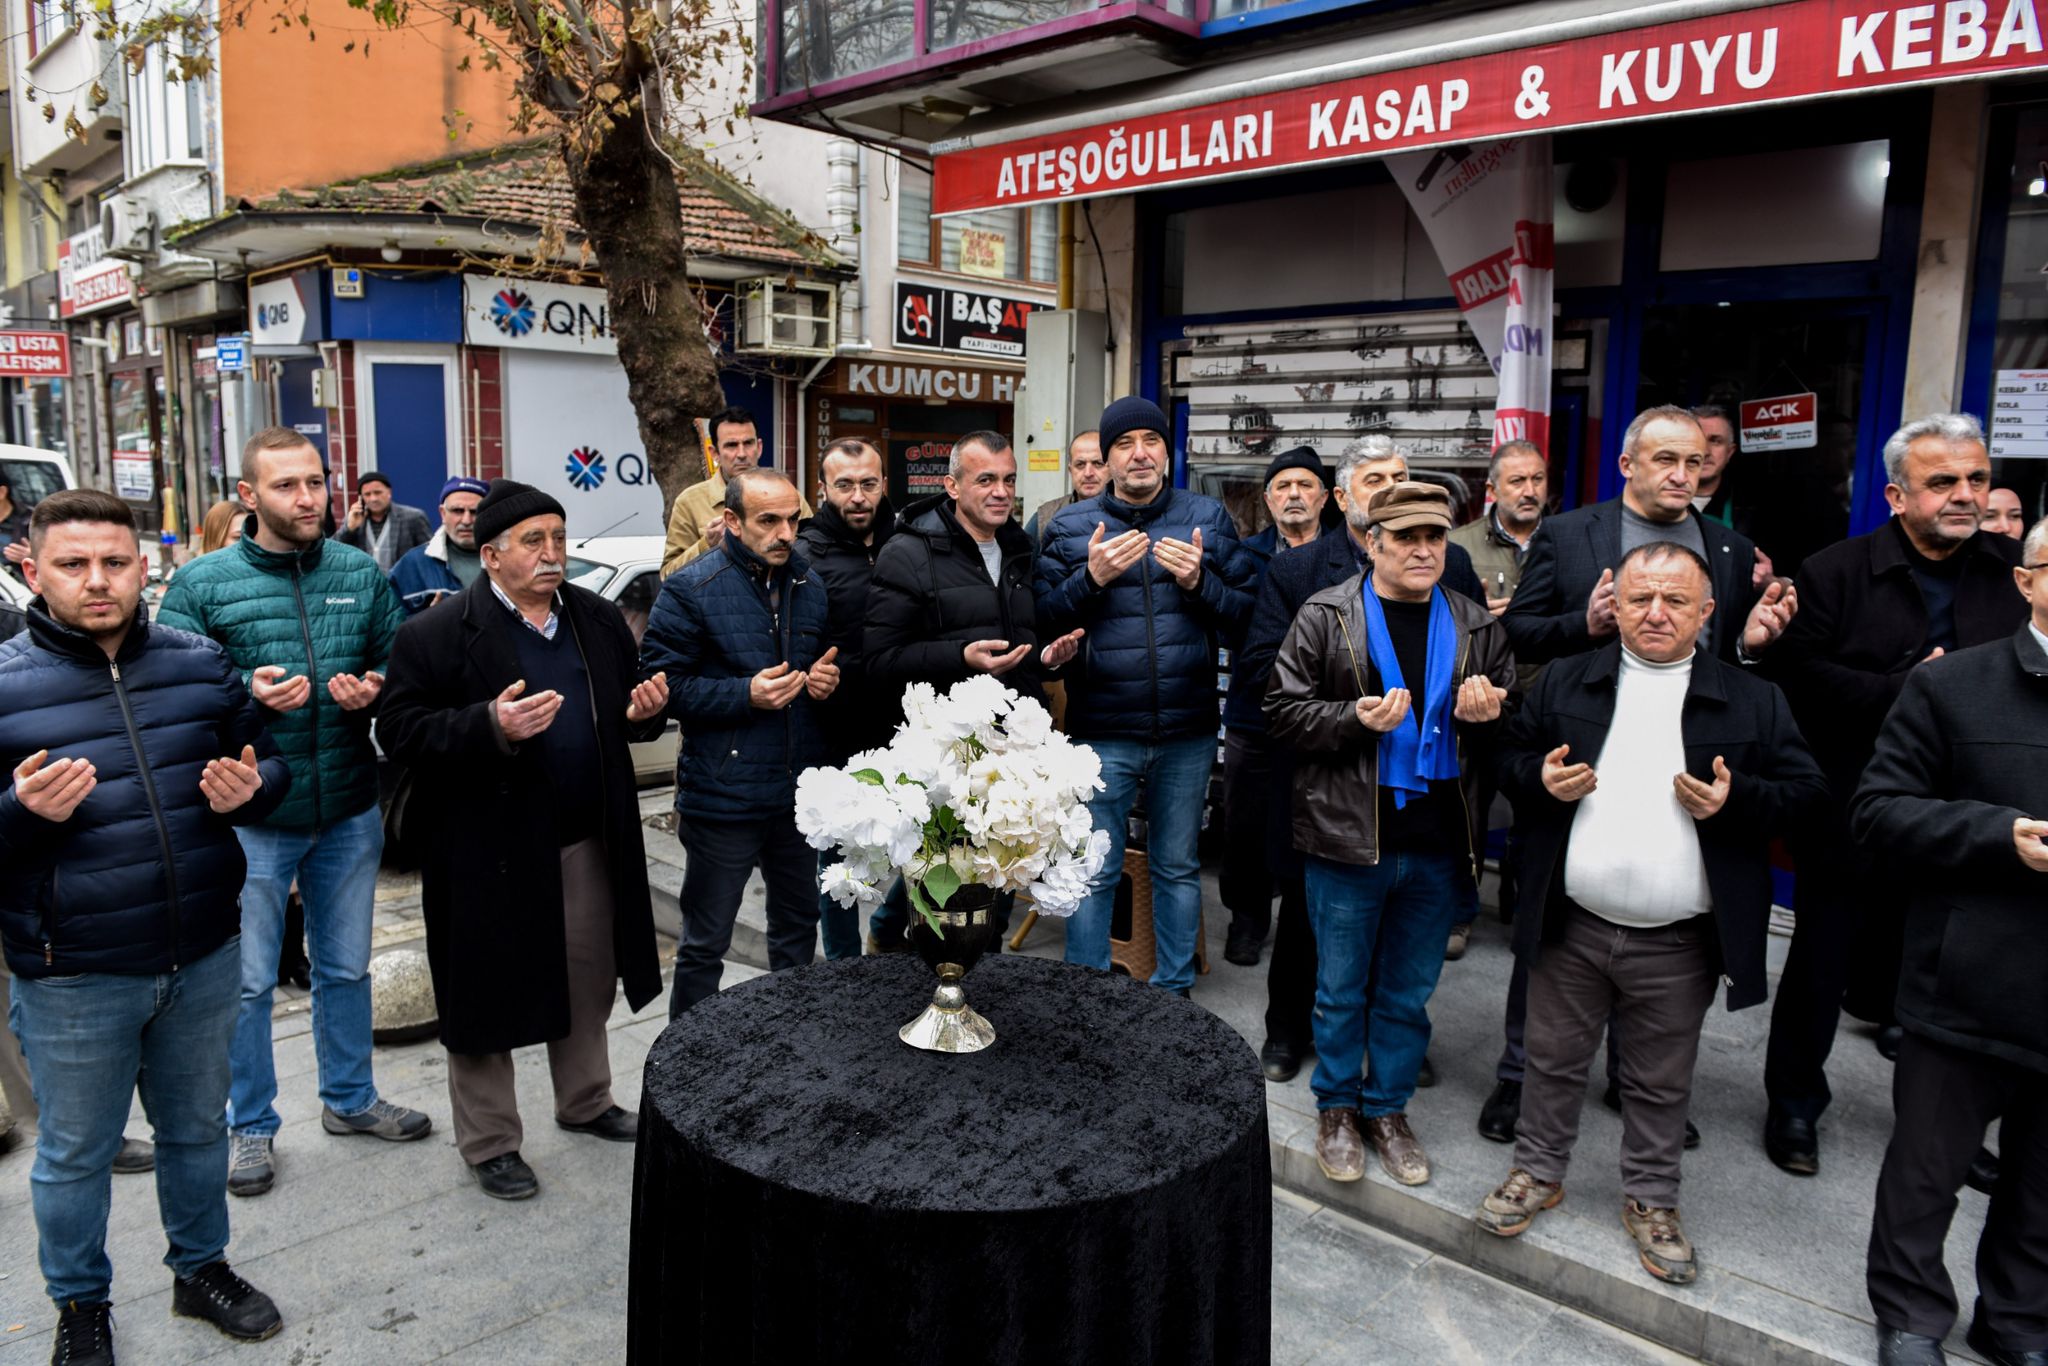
(1000, 244)
(48, 20)
(166, 116)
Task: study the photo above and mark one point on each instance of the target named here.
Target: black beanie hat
(1132, 414)
(1300, 458)
(508, 504)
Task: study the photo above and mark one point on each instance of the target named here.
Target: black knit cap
(1131, 414)
(1300, 458)
(508, 504)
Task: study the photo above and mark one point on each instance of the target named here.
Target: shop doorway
(406, 415)
(1792, 502)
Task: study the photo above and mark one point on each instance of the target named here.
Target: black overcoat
(491, 870)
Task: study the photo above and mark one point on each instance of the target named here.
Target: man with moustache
(842, 542)
(514, 707)
(740, 635)
(1088, 468)
(309, 622)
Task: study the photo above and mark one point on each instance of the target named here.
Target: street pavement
(388, 1253)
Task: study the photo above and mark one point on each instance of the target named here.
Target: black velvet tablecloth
(1091, 1188)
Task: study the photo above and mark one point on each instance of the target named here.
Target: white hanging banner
(1487, 210)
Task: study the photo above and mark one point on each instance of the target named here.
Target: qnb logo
(512, 312)
(586, 468)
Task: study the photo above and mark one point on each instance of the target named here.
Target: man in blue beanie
(450, 561)
(1154, 575)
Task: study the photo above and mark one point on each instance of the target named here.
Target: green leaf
(872, 777)
(926, 909)
(941, 882)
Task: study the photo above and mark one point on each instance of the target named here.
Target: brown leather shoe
(1661, 1242)
(1340, 1152)
(1401, 1154)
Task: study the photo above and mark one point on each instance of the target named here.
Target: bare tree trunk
(627, 203)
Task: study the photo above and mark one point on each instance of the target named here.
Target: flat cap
(1411, 503)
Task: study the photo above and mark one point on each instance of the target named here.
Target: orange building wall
(299, 113)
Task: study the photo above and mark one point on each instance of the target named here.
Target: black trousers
(1943, 1099)
(720, 857)
(1836, 894)
(1257, 841)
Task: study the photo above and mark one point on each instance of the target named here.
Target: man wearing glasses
(697, 523)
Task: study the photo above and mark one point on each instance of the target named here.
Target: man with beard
(309, 623)
(740, 635)
(1874, 608)
(447, 563)
(842, 544)
(514, 707)
(696, 522)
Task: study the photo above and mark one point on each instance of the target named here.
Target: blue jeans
(838, 926)
(1176, 778)
(336, 869)
(91, 1040)
(1384, 923)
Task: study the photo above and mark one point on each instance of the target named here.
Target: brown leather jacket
(1323, 668)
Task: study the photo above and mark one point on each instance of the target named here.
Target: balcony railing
(816, 49)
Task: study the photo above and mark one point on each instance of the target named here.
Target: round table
(1092, 1188)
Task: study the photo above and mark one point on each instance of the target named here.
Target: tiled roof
(525, 184)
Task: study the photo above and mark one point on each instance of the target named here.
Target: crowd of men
(1666, 714)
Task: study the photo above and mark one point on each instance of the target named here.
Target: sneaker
(1340, 1152)
(136, 1155)
(251, 1166)
(1401, 1153)
(506, 1177)
(85, 1335)
(384, 1120)
(1516, 1202)
(215, 1293)
(1660, 1241)
(1461, 939)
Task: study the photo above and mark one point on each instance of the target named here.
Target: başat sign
(1802, 50)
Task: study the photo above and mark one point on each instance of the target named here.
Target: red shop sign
(38, 355)
(1801, 50)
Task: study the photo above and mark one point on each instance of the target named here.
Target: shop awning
(1474, 77)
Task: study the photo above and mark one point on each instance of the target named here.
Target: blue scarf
(1411, 757)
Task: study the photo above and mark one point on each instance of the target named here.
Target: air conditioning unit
(781, 317)
(129, 229)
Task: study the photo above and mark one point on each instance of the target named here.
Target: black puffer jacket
(844, 561)
(143, 877)
(1964, 754)
(932, 598)
(1147, 667)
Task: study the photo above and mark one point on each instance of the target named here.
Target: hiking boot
(85, 1335)
(1502, 1112)
(506, 1177)
(1401, 1153)
(1461, 939)
(1340, 1152)
(136, 1155)
(393, 1123)
(251, 1166)
(1661, 1242)
(215, 1293)
(1516, 1202)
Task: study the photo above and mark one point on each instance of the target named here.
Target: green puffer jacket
(329, 602)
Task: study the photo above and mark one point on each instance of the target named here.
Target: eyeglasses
(2034, 568)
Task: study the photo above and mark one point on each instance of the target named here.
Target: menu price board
(2019, 415)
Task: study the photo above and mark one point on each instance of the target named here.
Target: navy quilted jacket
(1147, 668)
(143, 877)
(712, 629)
(329, 602)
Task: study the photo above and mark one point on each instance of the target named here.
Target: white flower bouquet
(975, 788)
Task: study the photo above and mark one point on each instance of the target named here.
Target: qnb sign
(536, 315)
(586, 469)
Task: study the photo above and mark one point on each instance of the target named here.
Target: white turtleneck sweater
(1634, 855)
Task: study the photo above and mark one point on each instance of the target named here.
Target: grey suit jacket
(409, 528)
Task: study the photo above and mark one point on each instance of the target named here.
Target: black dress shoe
(1897, 1347)
(506, 1177)
(1692, 1136)
(1279, 1060)
(1502, 1111)
(614, 1125)
(1888, 1040)
(1425, 1075)
(1983, 1173)
(85, 1335)
(1792, 1143)
(1241, 946)
(215, 1293)
(1981, 1343)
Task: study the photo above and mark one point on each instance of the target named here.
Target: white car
(626, 570)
